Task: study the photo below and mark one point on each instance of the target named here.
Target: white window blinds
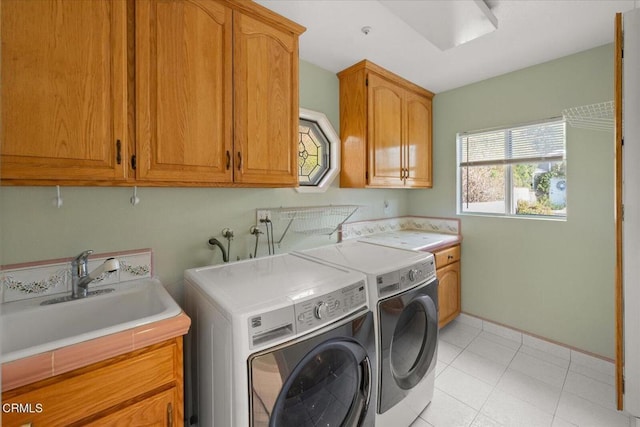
(533, 143)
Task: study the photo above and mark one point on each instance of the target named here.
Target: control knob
(321, 310)
(413, 274)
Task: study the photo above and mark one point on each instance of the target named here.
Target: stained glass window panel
(313, 153)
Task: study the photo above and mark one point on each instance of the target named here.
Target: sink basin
(29, 328)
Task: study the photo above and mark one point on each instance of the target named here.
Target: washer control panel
(286, 322)
(329, 307)
(399, 280)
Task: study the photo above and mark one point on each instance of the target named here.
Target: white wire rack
(594, 116)
(311, 220)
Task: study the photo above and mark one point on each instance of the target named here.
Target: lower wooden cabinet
(141, 388)
(157, 410)
(448, 273)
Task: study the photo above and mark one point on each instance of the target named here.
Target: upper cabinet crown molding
(216, 94)
(268, 16)
(367, 66)
(385, 128)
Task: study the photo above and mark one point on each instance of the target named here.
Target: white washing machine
(279, 341)
(403, 292)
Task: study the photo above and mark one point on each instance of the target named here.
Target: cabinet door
(417, 141)
(448, 293)
(64, 74)
(158, 410)
(265, 103)
(111, 384)
(183, 91)
(384, 133)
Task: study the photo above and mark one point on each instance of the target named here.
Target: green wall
(550, 278)
(175, 222)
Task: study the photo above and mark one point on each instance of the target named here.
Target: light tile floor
(487, 375)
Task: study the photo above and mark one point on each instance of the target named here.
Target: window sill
(526, 217)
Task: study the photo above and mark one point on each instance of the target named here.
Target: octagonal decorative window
(318, 152)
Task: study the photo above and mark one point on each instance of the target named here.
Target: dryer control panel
(400, 280)
(330, 307)
(312, 313)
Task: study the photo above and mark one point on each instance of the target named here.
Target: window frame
(333, 147)
(508, 162)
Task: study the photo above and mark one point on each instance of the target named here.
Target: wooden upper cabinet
(217, 94)
(386, 154)
(418, 143)
(265, 102)
(64, 100)
(183, 91)
(215, 103)
(385, 128)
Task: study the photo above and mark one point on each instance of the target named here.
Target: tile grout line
(571, 362)
(519, 350)
(495, 387)
(589, 372)
(564, 382)
(449, 365)
(460, 401)
(463, 348)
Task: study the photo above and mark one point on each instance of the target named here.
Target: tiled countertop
(45, 365)
(415, 240)
(407, 232)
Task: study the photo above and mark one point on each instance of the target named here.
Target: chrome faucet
(80, 279)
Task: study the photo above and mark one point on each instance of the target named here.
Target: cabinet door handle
(118, 151)
(169, 415)
(228, 160)
(239, 160)
(449, 256)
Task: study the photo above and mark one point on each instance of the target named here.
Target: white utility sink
(29, 328)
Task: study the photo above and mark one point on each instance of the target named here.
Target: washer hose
(215, 242)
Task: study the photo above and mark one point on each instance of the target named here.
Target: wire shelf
(594, 116)
(311, 220)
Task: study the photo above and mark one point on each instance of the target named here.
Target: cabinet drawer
(447, 256)
(88, 391)
(158, 410)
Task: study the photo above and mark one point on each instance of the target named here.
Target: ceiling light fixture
(445, 23)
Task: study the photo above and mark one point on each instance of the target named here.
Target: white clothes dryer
(403, 292)
(279, 341)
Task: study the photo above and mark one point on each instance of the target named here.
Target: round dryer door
(328, 387)
(414, 341)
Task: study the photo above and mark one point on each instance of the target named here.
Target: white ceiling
(529, 32)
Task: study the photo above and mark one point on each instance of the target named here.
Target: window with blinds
(514, 171)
